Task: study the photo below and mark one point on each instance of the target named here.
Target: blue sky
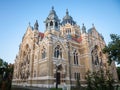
(16, 14)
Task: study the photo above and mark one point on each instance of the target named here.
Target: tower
(52, 23)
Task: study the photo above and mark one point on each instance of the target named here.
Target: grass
(55, 89)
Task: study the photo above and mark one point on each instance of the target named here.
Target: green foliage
(113, 49)
(1, 62)
(7, 78)
(99, 80)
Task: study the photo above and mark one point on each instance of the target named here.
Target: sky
(15, 16)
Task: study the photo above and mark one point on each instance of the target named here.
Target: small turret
(83, 29)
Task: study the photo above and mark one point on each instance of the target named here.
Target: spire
(36, 25)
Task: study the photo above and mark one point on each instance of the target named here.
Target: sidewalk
(27, 88)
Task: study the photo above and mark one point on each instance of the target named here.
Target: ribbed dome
(91, 29)
(52, 11)
(67, 16)
(68, 19)
(52, 15)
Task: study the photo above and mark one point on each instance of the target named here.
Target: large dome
(68, 19)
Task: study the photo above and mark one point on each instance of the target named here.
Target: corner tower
(52, 23)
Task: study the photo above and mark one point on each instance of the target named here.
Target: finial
(67, 12)
(93, 24)
(83, 24)
(29, 23)
(52, 7)
(36, 20)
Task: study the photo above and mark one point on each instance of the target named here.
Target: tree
(89, 80)
(1, 61)
(6, 72)
(113, 49)
(99, 80)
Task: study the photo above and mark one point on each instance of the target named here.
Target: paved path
(27, 88)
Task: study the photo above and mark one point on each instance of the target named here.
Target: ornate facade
(64, 44)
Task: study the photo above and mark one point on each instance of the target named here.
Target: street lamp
(68, 45)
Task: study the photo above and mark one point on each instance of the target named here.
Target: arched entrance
(59, 75)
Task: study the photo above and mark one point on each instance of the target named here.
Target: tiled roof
(41, 34)
(77, 39)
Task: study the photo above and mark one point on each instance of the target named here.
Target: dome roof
(67, 16)
(68, 19)
(52, 16)
(91, 29)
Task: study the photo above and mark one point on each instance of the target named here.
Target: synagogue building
(65, 51)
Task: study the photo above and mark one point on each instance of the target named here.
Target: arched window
(43, 53)
(75, 57)
(51, 23)
(101, 62)
(68, 30)
(77, 76)
(58, 51)
(94, 53)
(46, 25)
(56, 24)
(92, 59)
